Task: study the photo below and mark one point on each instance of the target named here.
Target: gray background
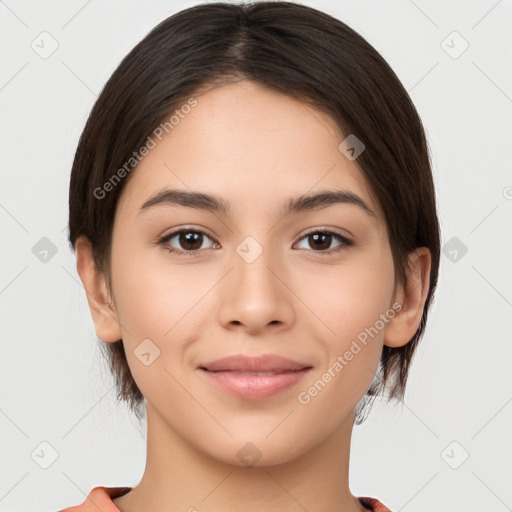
(57, 391)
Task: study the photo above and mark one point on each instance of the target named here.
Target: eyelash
(164, 240)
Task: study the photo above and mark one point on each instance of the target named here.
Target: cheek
(151, 308)
(351, 298)
(162, 303)
(353, 303)
(151, 295)
(351, 306)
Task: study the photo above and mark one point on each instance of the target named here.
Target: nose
(254, 295)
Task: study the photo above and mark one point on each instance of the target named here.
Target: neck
(180, 477)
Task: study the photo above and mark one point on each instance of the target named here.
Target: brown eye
(320, 241)
(188, 241)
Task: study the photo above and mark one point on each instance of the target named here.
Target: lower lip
(254, 387)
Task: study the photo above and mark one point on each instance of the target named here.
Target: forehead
(251, 146)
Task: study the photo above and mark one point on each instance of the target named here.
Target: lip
(231, 375)
(254, 387)
(264, 363)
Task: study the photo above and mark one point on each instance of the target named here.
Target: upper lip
(264, 363)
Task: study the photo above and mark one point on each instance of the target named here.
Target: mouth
(254, 385)
(279, 372)
(260, 365)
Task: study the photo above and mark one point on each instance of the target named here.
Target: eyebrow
(216, 204)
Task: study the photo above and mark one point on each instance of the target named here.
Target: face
(305, 284)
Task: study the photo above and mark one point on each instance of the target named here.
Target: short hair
(289, 48)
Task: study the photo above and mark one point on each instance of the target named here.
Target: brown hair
(292, 49)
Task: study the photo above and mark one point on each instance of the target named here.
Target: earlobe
(411, 296)
(104, 316)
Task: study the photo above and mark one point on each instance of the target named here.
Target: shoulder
(100, 498)
(373, 504)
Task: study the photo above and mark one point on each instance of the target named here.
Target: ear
(411, 296)
(104, 316)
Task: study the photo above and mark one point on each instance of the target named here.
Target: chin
(257, 451)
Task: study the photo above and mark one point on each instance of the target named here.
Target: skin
(255, 148)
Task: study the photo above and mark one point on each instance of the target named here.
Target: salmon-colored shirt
(99, 500)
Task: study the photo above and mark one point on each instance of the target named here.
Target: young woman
(254, 218)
